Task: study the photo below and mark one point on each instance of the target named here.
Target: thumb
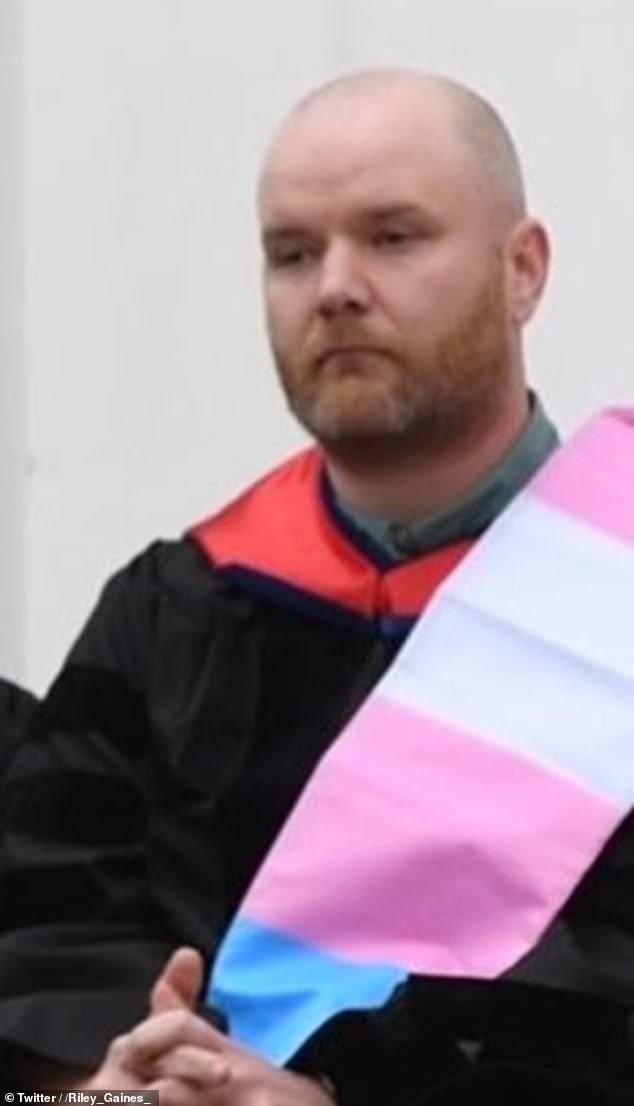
(179, 984)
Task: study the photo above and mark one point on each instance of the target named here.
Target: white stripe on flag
(561, 655)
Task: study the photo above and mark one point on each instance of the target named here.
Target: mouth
(349, 350)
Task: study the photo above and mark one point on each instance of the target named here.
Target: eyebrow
(379, 214)
(396, 211)
(270, 235)
(414, 213)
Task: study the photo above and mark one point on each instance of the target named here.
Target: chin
(367, 418)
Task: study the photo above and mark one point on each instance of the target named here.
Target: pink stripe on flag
(592, 478)
(424, 847)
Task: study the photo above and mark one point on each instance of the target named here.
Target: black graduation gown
(159, 767)
(16, 708)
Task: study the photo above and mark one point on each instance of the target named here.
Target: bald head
(438, 103)
(399, 264)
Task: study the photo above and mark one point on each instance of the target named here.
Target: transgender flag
(457, 811)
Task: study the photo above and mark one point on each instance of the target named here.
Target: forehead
(357, 152)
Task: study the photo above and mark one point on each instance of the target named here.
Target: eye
(394, 237)
(289, 255)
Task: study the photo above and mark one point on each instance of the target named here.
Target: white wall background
(136, 391)
(12, 374)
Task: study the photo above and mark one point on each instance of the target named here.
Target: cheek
(414, 312)
(286, 318)
(413, 295)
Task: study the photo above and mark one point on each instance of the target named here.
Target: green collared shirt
(471, 514)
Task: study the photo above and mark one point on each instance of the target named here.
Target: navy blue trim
(286, 595)
(361, 541)
(396, 625)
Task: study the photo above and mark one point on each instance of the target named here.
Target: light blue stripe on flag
(276, 991)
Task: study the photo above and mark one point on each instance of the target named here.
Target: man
(400, 266)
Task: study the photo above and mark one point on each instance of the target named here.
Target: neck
(418, 480)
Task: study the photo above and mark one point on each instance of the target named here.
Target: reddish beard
(397, 397)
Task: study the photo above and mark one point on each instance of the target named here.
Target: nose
(343, 285)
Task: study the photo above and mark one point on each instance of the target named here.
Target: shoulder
(176, 570)
(165, 599)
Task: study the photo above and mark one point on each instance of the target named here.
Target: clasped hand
(177, 1053)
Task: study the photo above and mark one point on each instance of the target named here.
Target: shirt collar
(473, 512)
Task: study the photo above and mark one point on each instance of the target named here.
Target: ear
(528, 263)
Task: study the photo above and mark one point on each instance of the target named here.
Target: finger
(180, 982)
(161, 1032)
(196, 1065)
